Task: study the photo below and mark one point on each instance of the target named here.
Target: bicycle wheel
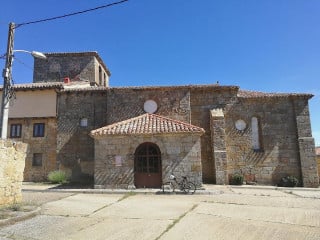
(189, 187)
(167, 186)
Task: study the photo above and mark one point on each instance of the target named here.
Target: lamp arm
(22, 51)
(33, 53)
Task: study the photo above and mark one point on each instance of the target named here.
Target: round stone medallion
(150, 106)
(240, 125)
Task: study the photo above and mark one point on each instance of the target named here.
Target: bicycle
(184, 185)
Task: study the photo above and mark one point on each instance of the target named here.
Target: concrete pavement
(224, 212)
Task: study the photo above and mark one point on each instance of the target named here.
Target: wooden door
(147, 166)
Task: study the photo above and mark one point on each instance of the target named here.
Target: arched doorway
(147, 166)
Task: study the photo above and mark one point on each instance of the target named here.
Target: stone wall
(126, 103)
(76, 66)
(309, 170)
(318, 162)
(44, 146)
(75, 148)
(12, 161)
(282, 121)
(218, 141)
(279, 155)
(187, 104)
(180, 154)
(203, 100)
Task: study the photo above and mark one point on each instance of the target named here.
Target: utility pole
(7, 77)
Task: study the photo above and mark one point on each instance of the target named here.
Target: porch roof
(147, 124)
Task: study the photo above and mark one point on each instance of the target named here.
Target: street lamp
(33, 53)
(7, 79)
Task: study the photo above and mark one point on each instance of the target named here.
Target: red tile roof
(147, 124)
(40, 86)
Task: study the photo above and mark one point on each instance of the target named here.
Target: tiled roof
(147, 124)
(85, 86)
(84, 89)
(254, 94)
(189, 87)
(40, 86)
(62, 87)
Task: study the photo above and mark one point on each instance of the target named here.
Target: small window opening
(37, 160)
(100, 76)
(38, 129)
(84, 122)
(256, 134)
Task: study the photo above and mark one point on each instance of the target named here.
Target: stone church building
(125, 137)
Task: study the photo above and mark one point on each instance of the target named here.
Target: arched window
(147, 158)
(100, 76)
(256, 136)
(104, 80)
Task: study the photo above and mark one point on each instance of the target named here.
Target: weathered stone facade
(126, 103)
(202, 101)
(44, 147)
(75, 148)
(85, 66)
(219, 151)
(264, 136)
(310, 175)
(318, 158)
(278, 155)
(12, 161)
(143, 151)
(180, 156)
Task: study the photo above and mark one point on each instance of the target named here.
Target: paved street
(223, 213)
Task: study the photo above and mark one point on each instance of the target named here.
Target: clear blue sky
(271, 45)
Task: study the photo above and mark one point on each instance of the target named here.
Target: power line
(23, 63)
(71, 14)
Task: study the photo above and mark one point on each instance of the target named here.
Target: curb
(123, 191)
(274, 188)
(24, 216)
(205, 190)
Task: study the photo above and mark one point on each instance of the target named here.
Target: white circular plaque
(240, 125)
(150, 106)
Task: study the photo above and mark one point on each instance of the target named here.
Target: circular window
(150, 106)
(240, 125)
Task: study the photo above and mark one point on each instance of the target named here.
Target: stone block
(310, 176)
(12, 162)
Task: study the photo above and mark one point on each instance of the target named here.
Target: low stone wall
(12, 163)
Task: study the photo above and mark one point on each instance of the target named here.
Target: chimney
(66, 80)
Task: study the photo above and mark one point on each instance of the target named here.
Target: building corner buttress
(218, 139)
(306, 144)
